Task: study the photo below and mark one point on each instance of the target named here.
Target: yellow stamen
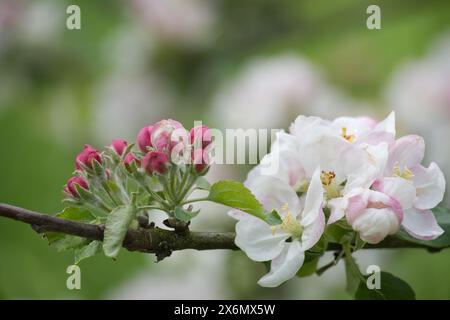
(349, 138)
(290, 224)
(333, 190)
(405, 173)
(327, 177)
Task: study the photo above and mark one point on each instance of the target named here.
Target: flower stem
(193, 200)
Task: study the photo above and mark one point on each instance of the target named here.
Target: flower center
(404, 173)
(327, 177)
(290, 224)
(349, 138)
(332, 189)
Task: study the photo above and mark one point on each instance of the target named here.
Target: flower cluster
(159, 173)
(350, 172)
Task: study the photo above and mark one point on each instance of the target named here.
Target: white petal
(354, 126)
(312, 233)
(421, 224)
(401, 190)
(364, 164)
(309, 129)
(314, 200)
(430, 184)
(282, 164)
(407, 152)
(387, 125)
(285, 141)
(256, 239)
(285, 266)
(274, 193)
(337, 209)
(325, 152)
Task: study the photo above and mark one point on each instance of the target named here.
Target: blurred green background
(135, 62)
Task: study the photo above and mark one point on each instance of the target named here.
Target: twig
(155, 240)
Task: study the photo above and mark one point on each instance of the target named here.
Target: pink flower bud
(129, 158)
(144, 138)
(86, 157)
(200, 136)
(200, 159)
(70, 188)
(155, 161)
(119, 146)
(161, 134)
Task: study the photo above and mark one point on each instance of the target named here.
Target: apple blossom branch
(155, 240)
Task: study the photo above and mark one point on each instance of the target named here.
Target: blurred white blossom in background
(419, 91)
(26, 26)
(271, 92)
(130, 95)
(182, 275)
(180, 22)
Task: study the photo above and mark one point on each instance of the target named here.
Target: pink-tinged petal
(387, 125)
(337, 209)
(312, 232)
(378, 185)
(421, 224)
(376, 137)
(430, 184)
(407, 152)
(401, 190)
(274, 193)
(237, 214)
(314, 200)
(375, 224)
(369, 122)
(257, 240)
(356, 205)
(285, 266)
(396, 208)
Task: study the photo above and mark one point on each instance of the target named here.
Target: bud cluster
(157, 172)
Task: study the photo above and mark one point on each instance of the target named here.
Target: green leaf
(202, 184)
(185, 215)
(87, 251)
(69, 213)
(391, 288)
(273, 218)
(113, 187)
(308, 268)
(84, 194)
(69, 242)
(236, 195)
(352, 275)
(116, 227)
(443, 218)
(336, 232)
(76, 214)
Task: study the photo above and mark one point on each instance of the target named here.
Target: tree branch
(154, 240)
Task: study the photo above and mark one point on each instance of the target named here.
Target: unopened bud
(129, 158)
(119, 146)
(70, 188)
(155, 161)
(144, 138)
(86, 157)
(200, 136)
